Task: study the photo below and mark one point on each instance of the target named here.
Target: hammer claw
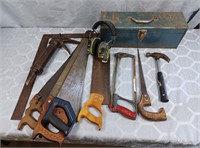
(158, 55)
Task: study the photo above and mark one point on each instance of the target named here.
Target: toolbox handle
(154, 18)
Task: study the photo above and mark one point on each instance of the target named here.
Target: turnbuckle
(114, 106)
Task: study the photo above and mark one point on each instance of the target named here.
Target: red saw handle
(123, 111)
(126, 112)
(114, 107)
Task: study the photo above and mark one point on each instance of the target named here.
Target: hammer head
(158, 55)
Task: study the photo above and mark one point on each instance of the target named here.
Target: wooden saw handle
(153, 116)
(62, 118)
(36, 106)
(28, 119)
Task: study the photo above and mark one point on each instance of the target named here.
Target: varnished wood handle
(36, 106)
(153, 116)
(41, 130)
(28, 119)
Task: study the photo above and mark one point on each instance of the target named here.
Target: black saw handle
(50, 117)
(161, 85)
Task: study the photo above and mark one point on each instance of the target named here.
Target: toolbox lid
(146, 20)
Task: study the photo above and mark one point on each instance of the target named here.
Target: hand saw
(99, 90)
(145, 100)
(43, 55)
(45, 103)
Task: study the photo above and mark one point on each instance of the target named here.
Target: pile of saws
(60, 112)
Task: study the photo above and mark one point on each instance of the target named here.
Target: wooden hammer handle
(153, 116)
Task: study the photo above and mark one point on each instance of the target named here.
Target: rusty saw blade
(48, 116)
(55, 90)
(101, 79)
(73, 86)
(53, 86)
(42, 56)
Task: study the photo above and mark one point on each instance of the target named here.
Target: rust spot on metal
(104, 16)
(115, 18)
(128, 19)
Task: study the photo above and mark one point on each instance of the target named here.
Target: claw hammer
(160, 78)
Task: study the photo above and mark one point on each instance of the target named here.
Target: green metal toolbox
(162, 29)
